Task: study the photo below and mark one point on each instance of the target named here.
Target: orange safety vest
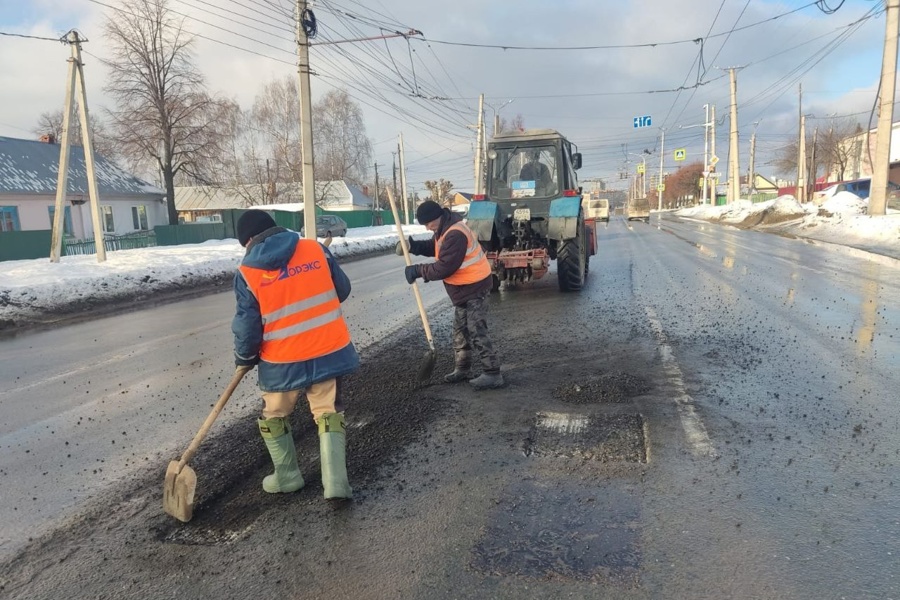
(474, 267)
(300, 310)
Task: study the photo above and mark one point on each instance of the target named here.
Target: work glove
(246, 362)
(399, 248)
(412, 273)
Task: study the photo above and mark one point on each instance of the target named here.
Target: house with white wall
(28, 177)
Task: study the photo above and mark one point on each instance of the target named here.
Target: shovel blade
(178, 492)
(426, 367)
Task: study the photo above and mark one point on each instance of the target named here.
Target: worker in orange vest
(288, 322)
(463, 266)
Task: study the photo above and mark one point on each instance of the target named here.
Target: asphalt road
(714, 416)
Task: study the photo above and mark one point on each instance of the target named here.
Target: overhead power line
(32, 37)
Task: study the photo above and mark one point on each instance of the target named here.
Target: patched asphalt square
(604, 438)
(563, 530)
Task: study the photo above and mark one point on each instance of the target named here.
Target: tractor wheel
(571, 261)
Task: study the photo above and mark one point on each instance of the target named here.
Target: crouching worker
(462, 265)
(288, 321)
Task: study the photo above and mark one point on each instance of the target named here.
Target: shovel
(181, 480)
(430, 358)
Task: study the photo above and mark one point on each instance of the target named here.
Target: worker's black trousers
(470, 336)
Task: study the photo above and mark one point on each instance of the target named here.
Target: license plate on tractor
(522, 214)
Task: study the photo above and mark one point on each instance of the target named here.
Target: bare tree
(51, 122)
(342, 149)
(440, 191)
(839, 146)
(163, 112)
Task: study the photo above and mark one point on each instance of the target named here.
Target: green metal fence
(24, 245)
(128, 241)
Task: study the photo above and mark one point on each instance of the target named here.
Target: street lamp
(643, 157)
(706, 125)
(497, 113)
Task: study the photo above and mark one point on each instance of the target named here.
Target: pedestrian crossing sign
(640, 169)
(680, 154)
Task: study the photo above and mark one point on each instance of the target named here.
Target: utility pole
(712, 154)
(733, 151)
(705, 152)
(394, 170)
(76, 81)
(376, 214)
(801, 149)
(751, 174)
(304, 20)
(801, 163)
(813, 170)
(479, 147)
(881, 168)
(661, 184)
(403, 180)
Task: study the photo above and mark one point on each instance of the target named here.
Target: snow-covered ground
(31, 288)
(39, 288)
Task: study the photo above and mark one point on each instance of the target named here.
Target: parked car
(858, 187)
(328, 226)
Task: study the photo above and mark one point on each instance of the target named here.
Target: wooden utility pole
(881, 168)
(733, 151)
(403, 181)
(76, 82)
(304, 20)
(479, 148)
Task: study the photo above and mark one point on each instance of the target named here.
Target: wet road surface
(714, 416)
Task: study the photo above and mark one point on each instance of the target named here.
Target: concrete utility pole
(881, 168)
(661, 184)
(712, 154)
(733, 151)
(705, 152)
(76, 81)
(801, 163)
(812, 171)
(479, 148)
(751, 173)
(403, 182)
(306, 137)
(394, 171)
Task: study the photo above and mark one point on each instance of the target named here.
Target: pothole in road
(616, 388)
(563, 530)
(604, 438)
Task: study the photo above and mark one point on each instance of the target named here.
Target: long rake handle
(415, 287)
(220, 404)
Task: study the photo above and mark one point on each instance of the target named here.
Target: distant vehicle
(638, 209)
(328, 226)
(597, 210)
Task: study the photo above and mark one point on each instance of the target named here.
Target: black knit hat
(428, 211)
(253, 222)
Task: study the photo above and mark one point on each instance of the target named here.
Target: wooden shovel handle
(220, 404)
(415, 287)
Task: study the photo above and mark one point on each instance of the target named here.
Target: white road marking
(697, 437)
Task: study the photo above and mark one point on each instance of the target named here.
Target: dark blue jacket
(272, 250)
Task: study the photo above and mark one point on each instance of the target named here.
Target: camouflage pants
(470, 334)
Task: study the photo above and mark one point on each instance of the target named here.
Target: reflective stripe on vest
(301, 313)
(474, 266)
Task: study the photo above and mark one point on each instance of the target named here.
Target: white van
(597, 210)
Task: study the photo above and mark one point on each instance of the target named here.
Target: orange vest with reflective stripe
(301, 313)
(474, 266)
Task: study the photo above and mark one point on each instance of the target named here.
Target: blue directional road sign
(642, 121)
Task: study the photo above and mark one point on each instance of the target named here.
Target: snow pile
(845, 204)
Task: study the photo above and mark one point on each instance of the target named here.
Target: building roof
(32, 167)
(329, 194)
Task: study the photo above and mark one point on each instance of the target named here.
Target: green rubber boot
(332, 447)
(276, 433)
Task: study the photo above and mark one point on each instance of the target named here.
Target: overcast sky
(590, 95)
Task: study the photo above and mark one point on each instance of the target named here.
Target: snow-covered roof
(31, 167)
